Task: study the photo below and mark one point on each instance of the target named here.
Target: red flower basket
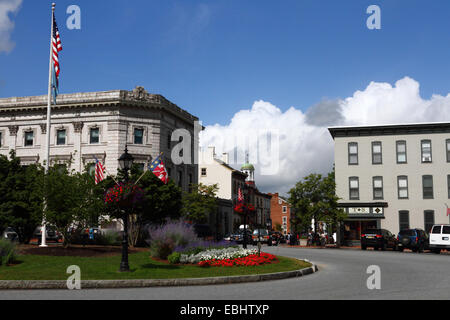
(240, 208)
(124, 195)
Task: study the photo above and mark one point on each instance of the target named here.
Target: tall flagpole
(49, 105)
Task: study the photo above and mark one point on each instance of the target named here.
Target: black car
(414, 239)
(239, 236)
(378, 239)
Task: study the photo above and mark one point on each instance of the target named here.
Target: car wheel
(414, 249)
(363, 247)
(420, 248)
(383, 246)
(437, 251)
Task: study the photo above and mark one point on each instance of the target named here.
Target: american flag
(159, 170)
(99, 172)
(240, 196)
(56, 47)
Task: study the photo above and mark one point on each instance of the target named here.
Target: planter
(303, 242)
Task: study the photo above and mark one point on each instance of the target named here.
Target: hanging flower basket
(240, 208)
(124, 195)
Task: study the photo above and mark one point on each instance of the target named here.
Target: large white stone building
(85, 126)
(392, 176)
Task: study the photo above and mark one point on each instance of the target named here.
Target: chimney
(225, 157)
(211, 153)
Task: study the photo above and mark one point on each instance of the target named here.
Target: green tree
(73, 201)
(20, 201)
(315, 198)
(200, 202)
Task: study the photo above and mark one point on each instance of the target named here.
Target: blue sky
(216, 57)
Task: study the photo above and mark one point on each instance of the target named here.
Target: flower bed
(228, 257)
(250, 260)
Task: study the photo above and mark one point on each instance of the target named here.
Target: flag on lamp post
(159, 170)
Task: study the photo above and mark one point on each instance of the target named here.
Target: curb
(143, 283)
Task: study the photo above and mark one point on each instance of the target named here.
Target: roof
(230, 168)
(138, 96)
(390, 129)
(247, 166)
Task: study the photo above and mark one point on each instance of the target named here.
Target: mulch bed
(75, 250)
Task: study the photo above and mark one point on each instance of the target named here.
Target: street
(342, 275)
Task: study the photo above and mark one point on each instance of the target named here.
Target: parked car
(51, 234)
(414, 239)
(228, 237)
(10, 234)
(378, 239)
(239, 236)
(261, 235)
(440, 238)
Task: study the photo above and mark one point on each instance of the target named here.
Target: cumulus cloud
(305, 145)
(7, 8)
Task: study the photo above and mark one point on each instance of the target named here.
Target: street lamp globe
(126, 160)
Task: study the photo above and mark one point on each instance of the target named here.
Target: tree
(159, 202)
(73, 201)
(200, 202)
(315, 197)
(20, 201)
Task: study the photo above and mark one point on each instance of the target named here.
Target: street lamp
(125, 163)
(244, 240)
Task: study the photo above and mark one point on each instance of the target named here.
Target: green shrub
(109, 238)
(174, 258)
(8, 252)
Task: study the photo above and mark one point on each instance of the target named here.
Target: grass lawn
(35, 267)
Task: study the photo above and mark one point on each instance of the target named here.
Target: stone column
(78, 130)
(12, 137)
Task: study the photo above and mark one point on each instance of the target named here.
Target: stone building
(392, 176)
(86, 126)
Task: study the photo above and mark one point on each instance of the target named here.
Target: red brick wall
(276, 211)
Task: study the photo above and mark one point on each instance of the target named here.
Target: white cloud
(305, 143)
(7, 7)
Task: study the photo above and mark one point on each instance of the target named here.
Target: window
(376, 152)
(401, 151)
(427, 184)
(377, 188)
(284, 220)
(429, 220)
(448, 185)
(284, 209)
(203, 172)
(138, 136)
(354, 188)
(426, 150)
(94, 136)
(447, 146)
(29, 138)
(404, 220)
(0, 139)
(436, 230)
(352, 153)
(402, 184)
(61, 137)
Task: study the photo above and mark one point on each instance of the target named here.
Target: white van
(440, 237)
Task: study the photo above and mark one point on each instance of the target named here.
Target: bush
(8, 252)
(109, 238)
(174, 258)
(164, 238)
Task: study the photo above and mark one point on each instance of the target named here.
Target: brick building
(280, 213)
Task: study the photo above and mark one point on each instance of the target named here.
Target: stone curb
(142, 283)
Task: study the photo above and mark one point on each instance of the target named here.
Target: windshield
(262, 232)
(407, 233)
(372, 231)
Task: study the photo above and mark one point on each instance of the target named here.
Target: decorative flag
(99, 171)
(56, 47)
(240, 196)
(159, 170)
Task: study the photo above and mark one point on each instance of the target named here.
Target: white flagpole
(49, 105)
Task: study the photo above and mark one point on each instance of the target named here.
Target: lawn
(36, 267)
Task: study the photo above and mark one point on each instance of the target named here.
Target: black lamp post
(125, 163)
(244, 240)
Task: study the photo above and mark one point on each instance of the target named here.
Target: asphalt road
(342, 275)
